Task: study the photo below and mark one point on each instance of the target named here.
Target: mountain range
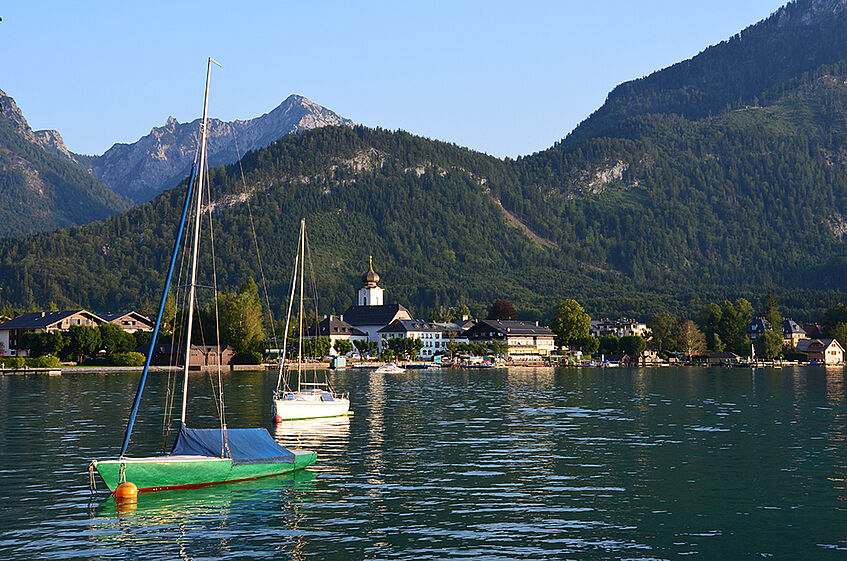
(160, 160)
(44, 185)
(722, 176)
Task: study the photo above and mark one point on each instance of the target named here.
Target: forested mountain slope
(662, 208)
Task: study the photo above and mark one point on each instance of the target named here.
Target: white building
(372, 314)
(620, 327)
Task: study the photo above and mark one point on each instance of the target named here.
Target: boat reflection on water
(181, 504)
(326, 434)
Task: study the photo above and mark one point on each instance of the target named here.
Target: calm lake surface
(503, 464)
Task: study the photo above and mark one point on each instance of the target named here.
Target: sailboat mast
(201, 171)
(302, 266)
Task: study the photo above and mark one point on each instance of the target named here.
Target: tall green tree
(769, 344)
(570, 323)
(609, 344)
(241, 320)
(663, 332)
(342, 346)
(364, 346)
(84, 340)
(839, 333)
(633, 345)
(770, 310)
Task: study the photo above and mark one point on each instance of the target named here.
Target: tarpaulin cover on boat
(246, 446)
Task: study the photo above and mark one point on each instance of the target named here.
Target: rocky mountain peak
(161, 159)
(50, 140)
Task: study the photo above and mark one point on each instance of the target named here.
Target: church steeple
(370, 278)
(370, 294)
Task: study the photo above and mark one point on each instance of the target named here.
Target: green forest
(720, 178)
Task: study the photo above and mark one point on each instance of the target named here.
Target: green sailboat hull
(183, 472)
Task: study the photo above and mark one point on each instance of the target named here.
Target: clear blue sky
(504, 78)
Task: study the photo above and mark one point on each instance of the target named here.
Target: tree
(35, 343)
(725, 324)
(839, 333)
(589, 345)
(241, 318)
(342, 346)
(633, 345)
(663, 329)
(771, 311)
(499, 348)
(570, 323)
(832, 317)
(769, 344)
(690, 339)
(364, 346)
(502, 310)
(453, 348)
(316, 347)
(608, 344)
(406, 346)
(83, 340)
(113, 339)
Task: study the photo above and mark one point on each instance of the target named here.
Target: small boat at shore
(390, 368)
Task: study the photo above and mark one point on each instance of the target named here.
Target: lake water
(503, 464)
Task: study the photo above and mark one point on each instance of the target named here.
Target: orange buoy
(126, 492)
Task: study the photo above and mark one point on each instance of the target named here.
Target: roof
(504, 328)
(813, 330)
(42, 320)
(374, 315)
(757, 325)
(790, 326)
(407, 325)
(453, 327)
(334, 326)
(806, 345)
(112, 316)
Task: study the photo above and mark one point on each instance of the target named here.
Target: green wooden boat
(189, 471)
(199, 456)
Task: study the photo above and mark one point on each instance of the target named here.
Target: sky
(504, 78)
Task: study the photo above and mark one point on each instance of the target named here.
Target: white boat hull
(291, 409)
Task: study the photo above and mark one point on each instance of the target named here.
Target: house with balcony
(41, 322)
(129, 321)
(523, 338)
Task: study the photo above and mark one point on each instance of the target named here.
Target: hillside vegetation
(657, 203)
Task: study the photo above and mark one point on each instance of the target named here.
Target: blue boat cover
(246, 446)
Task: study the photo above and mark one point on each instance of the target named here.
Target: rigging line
(284, 358)
(252, 224)
(179, 289)
(220, 395)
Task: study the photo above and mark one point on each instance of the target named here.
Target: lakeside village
(371, 332)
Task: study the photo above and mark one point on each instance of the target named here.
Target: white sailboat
(313, 397)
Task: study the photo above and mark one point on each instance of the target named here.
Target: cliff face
(162, 159)
(41, 186)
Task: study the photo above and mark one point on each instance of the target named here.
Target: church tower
(370, 294)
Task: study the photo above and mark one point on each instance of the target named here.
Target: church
(371, 313)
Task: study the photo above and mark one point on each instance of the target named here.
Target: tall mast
(302, 266)
(201, 171)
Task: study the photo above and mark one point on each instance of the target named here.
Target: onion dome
(370, 278)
